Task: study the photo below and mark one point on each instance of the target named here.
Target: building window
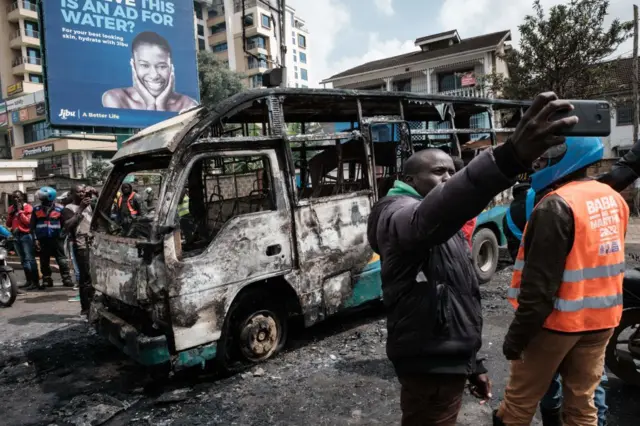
(293, 33)
(217, 10)
(256, 42)
(200, 30)
(297, 85)
(624, 114)
(255, 81)
(35, 132)
(220, 47)
(35, 78)
(295, 68)
(303, 74)
(304, 86)
(33, 56)
(303, 58)
(302, 41)
(295, 58)
(295, 75)
(293, 40)
(451, 80)
(198, 10)
(76, 164)
(292, 21)
(57, 165)
(218, 28)
(201, 44)
(31, 29)
(266, 21)
(252, 62)
(402, 86)
(248, 20)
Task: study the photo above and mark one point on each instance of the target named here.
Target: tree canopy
(217, 81)
(564, 51)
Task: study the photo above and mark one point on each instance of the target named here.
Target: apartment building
(443, 63)
(245, 35)
(24, 131)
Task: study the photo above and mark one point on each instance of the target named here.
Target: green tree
(98, 171)
(217, 81)
(563, 51)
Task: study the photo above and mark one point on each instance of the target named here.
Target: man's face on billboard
(153, 67)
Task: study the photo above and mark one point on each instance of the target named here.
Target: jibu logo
(65, 113)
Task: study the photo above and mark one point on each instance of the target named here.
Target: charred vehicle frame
(279, 202)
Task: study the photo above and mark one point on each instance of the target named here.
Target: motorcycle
(8, 285)
(623, 351)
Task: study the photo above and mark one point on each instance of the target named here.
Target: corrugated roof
(465, 45)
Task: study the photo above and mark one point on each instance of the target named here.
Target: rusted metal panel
(331, 239)
(116, 269)
(202, 288)
(158, 137)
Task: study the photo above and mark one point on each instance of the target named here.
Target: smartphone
(594, 118)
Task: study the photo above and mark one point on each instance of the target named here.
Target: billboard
(119, 63)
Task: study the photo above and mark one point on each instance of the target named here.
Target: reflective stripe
(512, 226)
(596, 302)
(605, 271)
(599, 302)
(518, 265)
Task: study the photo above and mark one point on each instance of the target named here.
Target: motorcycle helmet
(46, 193)
(562, 160)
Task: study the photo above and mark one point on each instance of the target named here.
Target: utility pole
(283, 42)
(634, 80)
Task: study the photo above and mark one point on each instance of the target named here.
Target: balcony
(25, 37)
(22, 9)
(466, 92)
(26, 64)
(257, 47)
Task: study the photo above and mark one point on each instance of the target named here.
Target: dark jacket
(430, 289)
(551, 225)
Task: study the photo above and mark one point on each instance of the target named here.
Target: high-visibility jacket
(590, 295)
(48, 225)
(132, 209)
(183, 208)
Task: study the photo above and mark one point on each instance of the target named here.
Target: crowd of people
(58, 227)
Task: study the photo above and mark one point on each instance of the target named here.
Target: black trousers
(54, 247)
(431, 399)
(86, 289)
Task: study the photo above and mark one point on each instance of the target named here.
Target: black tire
(485, 254)
(256, 329)
(621, 364)
(8, 289)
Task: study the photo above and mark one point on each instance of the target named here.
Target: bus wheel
(485, 254)
(257, 329)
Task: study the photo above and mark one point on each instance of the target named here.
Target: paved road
(53, 370)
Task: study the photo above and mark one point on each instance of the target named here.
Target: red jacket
(20, 220)
(468, 228)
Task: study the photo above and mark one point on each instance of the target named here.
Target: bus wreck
(278, 202)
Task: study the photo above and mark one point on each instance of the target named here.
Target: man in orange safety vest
(566, 287)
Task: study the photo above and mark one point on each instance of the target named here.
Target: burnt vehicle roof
(304, 105)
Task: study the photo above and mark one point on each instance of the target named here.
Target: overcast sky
(347, 33)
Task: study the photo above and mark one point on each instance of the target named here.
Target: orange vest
(133, 211)
(590, 295)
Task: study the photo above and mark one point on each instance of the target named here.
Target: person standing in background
(46, 226)
(18, 221)
(77, 221)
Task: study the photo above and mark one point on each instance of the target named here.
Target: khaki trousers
(579, 358)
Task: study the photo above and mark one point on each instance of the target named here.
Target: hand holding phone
(594, 118)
